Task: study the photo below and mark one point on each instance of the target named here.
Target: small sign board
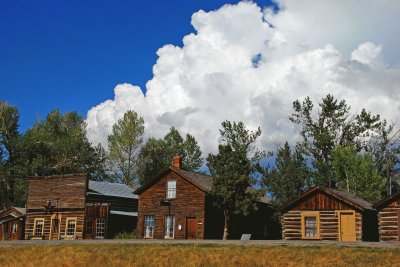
(245, 237)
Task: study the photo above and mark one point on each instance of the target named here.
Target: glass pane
(149, 226)
(171, 189)
(169, 226)
(310, 226)
(100, 228)
(71, 227)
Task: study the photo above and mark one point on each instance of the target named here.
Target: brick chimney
(177, 162)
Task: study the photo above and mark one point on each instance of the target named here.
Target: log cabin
(72, 207)
(12, 223)
(389, 217)
(322, 213)
(176, 204)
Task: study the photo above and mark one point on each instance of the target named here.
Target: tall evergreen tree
(124, 145)
(289, 176)
(157, 154)
(330, 126)
(233, 170)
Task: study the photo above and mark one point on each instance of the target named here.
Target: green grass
(195, 255)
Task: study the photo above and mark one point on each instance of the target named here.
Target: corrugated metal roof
(111, 189)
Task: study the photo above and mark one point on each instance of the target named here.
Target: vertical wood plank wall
(389, 222)
(329, 224)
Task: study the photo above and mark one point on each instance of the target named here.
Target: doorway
(191, 228)
(347, 226)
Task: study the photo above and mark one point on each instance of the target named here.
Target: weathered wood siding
(70, 190)
(389, 221)
(189, 202)
(329, 224)
(7, 228)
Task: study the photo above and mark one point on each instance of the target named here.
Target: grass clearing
(195, 255)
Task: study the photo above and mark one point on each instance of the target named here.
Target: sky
(194, 64)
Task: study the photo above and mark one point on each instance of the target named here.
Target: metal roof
(111, 189)
(124, 213)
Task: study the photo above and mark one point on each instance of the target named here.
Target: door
(347, 226)
(55, 227)
(191, 228)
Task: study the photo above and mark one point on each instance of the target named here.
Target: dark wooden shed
(389, 218)
(323, 213)
(12, 223)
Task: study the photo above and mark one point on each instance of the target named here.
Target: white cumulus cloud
(247, 64)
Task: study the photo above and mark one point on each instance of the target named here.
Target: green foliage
(124, 144)
(330, 126)
(289, 176)
(13, 170)
(157, 154)
(356, 174)
(233, 170)
(58, 145)
(125, 235)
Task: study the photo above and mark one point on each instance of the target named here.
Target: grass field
(195, 255)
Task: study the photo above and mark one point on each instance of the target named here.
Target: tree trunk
(226, 225)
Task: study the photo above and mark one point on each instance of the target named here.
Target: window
(148, 226)
(14, 228)
(70, 227)
(169, 226)
(38, 226)
(310, 225)
(100, 228)
(171, 189)
(89, 227)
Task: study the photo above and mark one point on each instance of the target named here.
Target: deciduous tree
(124, 144)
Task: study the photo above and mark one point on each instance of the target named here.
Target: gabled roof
(11, 214)
(387, 200)
(111, 189)
(345, 197)
(201, 181)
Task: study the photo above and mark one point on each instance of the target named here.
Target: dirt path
(200, 242)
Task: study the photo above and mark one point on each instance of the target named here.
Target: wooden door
(191, 228)
(55, 227)
(347, 226)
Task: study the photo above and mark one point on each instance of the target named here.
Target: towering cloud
(245, 63)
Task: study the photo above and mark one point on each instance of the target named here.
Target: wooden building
(71, 207)
(323, 213)
(389, 218)
(12, 224)
(175, 204)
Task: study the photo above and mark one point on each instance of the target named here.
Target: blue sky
(71, 54)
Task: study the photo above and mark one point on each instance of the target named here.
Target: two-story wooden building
(72, 207)
(323, 213)
(176, 204)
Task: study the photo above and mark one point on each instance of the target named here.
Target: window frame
(173, 227)
(66, 226)
(35, 226)
(304, 215)
(104, 228)
(168, 189)
(145, 226)
(14, 228)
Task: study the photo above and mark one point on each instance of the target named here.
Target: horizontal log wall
(389, 222)
(30, 219)
(329, 225)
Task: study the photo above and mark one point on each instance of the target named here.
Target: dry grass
(195, 255)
